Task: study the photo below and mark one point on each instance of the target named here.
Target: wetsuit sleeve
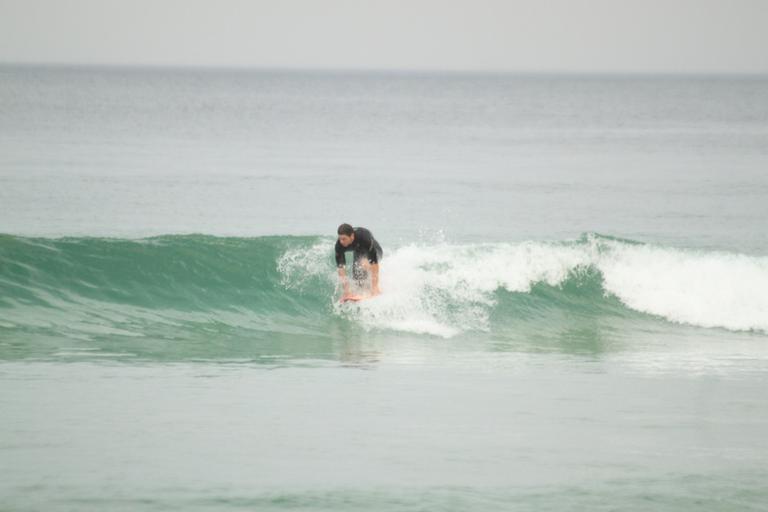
(369, 244)
(340, 260)
(374, 252)
(372, 256)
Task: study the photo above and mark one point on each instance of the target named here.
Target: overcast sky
(511, 35)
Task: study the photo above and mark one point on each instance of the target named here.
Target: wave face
(171, 286)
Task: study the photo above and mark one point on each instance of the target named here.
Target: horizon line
(375, 70)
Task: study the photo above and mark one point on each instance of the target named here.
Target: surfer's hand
(375, 291)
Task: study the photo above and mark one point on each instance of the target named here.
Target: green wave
(191, 272)
(201, 296)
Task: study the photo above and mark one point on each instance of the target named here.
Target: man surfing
(367, 254)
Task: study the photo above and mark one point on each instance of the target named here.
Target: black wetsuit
(364, 246)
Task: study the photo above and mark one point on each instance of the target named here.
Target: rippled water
(574, 310)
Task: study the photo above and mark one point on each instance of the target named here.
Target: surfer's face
(345, 240)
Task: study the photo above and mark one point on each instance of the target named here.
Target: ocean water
(575, 291)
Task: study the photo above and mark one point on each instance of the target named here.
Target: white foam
(443, 289)
(297, 266)
(703, 289)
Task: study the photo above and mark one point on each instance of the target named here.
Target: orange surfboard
(351, 298)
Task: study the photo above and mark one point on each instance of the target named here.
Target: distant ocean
(575, 291)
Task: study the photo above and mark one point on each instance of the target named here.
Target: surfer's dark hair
(345, 229)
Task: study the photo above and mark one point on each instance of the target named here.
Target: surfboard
(352, 298)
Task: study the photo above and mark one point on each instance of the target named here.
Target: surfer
(367, 254)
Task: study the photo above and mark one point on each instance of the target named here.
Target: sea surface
(575, 291)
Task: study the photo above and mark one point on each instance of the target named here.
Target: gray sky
(512, 35)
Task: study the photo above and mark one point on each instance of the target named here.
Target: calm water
(575, 307)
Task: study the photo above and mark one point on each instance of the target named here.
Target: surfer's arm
(344, 281)
(375, 279)
(341, 264)
(373, 264)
